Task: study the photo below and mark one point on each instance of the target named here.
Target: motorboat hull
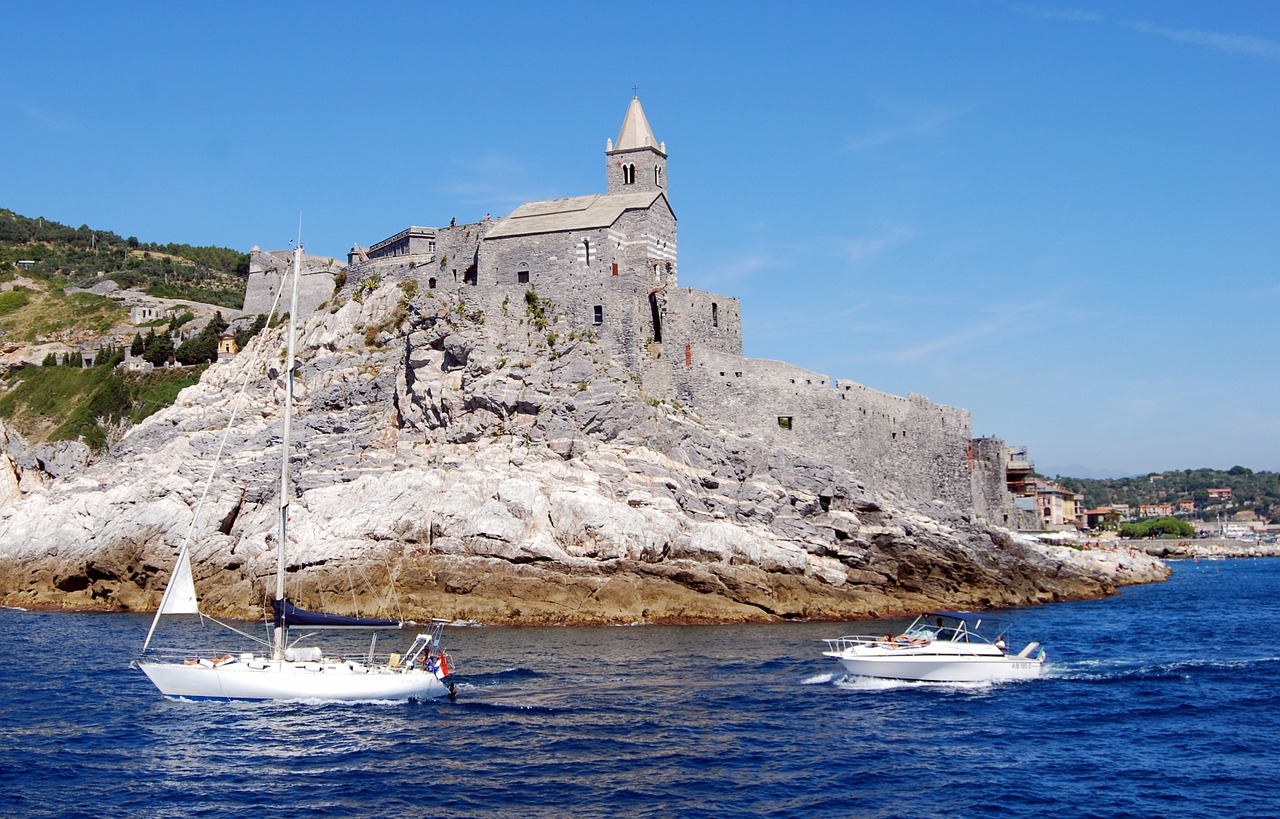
(941, 668)
(287, 680)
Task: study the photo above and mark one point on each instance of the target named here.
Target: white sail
(180, 596)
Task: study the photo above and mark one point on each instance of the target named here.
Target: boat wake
(819, 679)
(504, 677)
(1112, 671)
(855, 683)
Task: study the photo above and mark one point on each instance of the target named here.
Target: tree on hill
(157, 349)
(202, 347)
(1157, 527)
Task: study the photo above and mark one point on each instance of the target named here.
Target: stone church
(608, 264)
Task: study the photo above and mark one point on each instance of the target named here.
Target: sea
(1159, 701)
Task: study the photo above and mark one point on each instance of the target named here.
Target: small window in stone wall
(715, 314)
(586, 255)
(522, 273)
(431, 283)
(598, 316)
(784, 422)
(615, 268)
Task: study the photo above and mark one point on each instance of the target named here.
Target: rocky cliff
(471, 465)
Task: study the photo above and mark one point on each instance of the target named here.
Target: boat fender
(206, 663)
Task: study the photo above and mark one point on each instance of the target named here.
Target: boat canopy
(287, 614)
(967, 616)
(973, 621)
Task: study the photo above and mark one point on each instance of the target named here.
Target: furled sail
(287, 614)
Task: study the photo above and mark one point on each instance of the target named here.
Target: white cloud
(737, 269)
(1235, 44)
(864, 247)
(997, 323)
(920, 122)
(1073, 15)
(48, 119)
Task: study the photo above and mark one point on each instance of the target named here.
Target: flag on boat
(443, 671)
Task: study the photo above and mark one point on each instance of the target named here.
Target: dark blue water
(1161, 701)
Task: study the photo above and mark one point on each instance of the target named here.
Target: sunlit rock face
(454, 460)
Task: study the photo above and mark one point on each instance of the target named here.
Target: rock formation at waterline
(462, 464)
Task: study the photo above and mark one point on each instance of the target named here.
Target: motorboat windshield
(957, 627)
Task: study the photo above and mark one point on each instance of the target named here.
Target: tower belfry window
(657, 175)
(628, 174)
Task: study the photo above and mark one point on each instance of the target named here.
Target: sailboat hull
(285, 680)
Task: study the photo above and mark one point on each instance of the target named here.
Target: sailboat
(283, 670)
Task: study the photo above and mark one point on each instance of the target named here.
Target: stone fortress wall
(616, 279)
(917, 447)
(267, 270)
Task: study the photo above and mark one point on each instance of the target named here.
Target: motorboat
(939, 646)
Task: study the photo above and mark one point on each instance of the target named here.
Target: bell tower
(637, 162)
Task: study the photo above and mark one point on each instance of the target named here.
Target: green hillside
(66, 402)
(84, 256)
(1257, 492)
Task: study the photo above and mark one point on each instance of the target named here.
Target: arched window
(586, 247)
(715, 314)
(431, 283)
(522, 273)
(628, 174)
(657, 175)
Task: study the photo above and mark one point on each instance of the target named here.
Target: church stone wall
(605, 292)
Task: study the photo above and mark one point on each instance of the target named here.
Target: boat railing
(847, 642)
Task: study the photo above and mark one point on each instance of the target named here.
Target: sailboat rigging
(287, 671)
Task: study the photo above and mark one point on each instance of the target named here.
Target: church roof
(635, 132)
(575, 213)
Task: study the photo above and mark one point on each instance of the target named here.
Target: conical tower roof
(635, 132)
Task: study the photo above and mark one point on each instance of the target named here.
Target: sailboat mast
(285, 489)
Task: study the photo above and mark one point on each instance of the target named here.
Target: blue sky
(1063, 218)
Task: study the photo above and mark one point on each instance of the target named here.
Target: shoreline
(1207, 548)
